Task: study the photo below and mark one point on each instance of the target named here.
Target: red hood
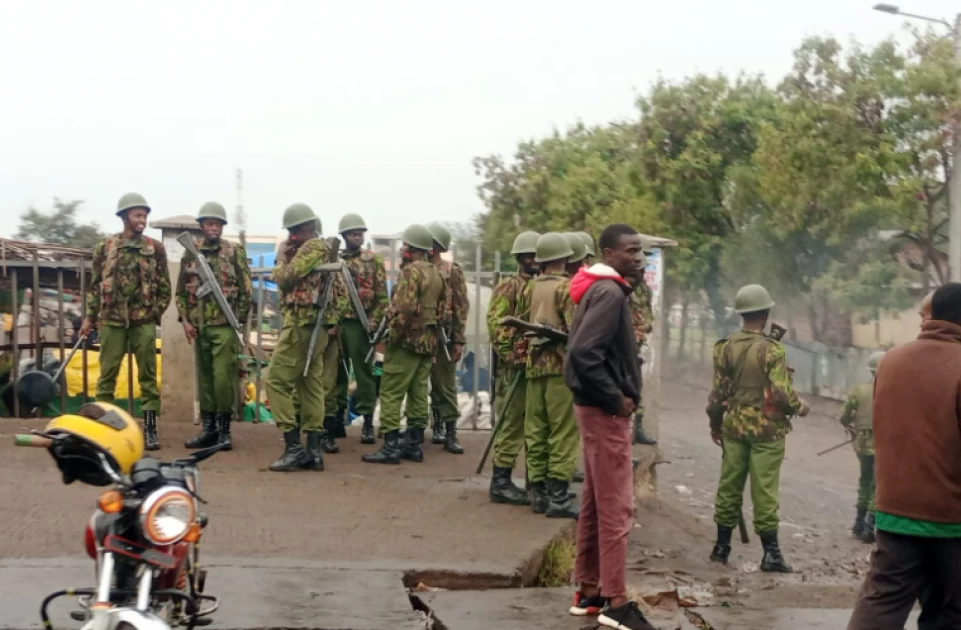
(585, 277)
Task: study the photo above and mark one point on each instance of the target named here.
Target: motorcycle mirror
(107, 468)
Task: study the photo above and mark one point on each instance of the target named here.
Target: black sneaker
(626, 617)
(584, 606)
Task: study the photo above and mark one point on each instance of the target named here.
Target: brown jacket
(917, 426)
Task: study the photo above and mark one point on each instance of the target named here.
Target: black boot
(208, 432)
(639, 436)
(315, 450)
(577, 477)
(539, 502)
(773, 561)
(859, 522)
(295, 457)
(722, 548)
(867, 532)
(223, 428)
(451, 445)
(150, 440)
(340, 424)
(389, 453)
(330, 430)
(367, 433)
(559, 503)
(437, 428)
(414, 445)
(503, 490)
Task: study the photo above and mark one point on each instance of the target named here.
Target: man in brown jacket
(917, 434)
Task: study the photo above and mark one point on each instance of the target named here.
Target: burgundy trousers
(607, 501)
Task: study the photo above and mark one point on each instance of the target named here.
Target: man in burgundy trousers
(603, 372)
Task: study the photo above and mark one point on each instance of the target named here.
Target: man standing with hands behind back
(603, 372)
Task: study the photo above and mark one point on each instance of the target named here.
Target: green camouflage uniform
(642, 317)
(217, 341)
(510, 348)
(857, 418)
(417, 306)
(750, 404)
(287, 388)
(443, 374)
(370, 278)
(129, 292)
(550, 428)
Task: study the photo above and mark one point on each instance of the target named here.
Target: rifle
(834, 448)
(535, 330)
(208, 283)
(355, 298)
(490, 440)
(444, 340)
(323, 296)
(377, 337)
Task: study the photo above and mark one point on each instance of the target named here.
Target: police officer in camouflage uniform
(510, 349)
(857, 419)
(370, 278)
(129, 292)
(642, 313)
(204, 321)
(443, 374)
(550, 429)
(750, 406)
(299, 280)
(417, 306)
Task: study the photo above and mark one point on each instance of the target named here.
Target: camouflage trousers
(762, 462)
(866, 483)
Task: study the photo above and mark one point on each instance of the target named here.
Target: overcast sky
(371, 106)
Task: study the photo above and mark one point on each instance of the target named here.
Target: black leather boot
(451, 445)
(340, 424)
(389, 453)
(150, 440)
(437, 428)
(503, 490)
(722, 548)
(868, 531)
(639, 436)
(315, 451)
(223, 429)
(560, 504)
(208, 432)
(330, 429)
(773, 561)
(859, 522)
(539, 501)
(414, 445)
(295, 458)
(367, 432)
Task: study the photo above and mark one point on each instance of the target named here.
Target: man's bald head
(925, 311)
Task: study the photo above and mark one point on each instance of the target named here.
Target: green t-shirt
(911, 527)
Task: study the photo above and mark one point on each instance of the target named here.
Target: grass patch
(558, 564)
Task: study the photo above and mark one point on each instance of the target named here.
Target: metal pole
(35, 316)
(83, 313)
(260, 340)
(954, 236)
(63, 331)
(477, 338)
(15, 339)
(130, 382)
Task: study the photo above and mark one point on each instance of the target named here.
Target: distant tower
(240, 217)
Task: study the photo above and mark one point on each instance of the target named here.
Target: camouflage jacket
(370, 278)
(298, 284)
(642, 314)
(228, 262)
(857, 417)
(752, 397)
(130, 283)
(547, 358)
(509, 343)
(457, 304)
(417, 305)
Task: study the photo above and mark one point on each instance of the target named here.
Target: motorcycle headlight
(166, 515)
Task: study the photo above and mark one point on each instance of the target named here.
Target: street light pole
(954, 190)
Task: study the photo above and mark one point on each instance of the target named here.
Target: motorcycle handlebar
(31, 440)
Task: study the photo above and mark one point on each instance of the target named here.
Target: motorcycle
(144, 538)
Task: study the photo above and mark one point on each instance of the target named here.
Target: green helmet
(419, 236)
(647, 245)
(130, 201)
(212, 210)
(577, 244)
(588, 242)
(350, 222)
(440, 234)
(752, 298)
(525, 243)
(552, 246)
(874, 360)
(298, 214)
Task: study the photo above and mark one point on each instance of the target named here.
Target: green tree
(58, 226)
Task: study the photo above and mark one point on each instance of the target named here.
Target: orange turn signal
(193, 533)
(110, 502)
